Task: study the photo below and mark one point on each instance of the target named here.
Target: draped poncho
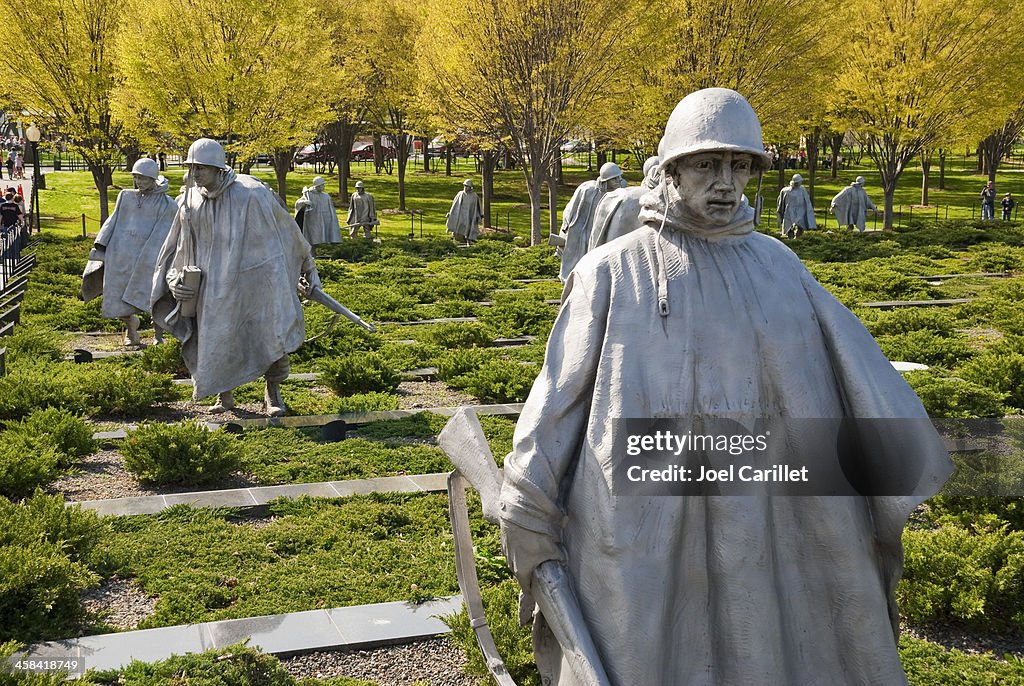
(251, 254)
(710, 590)
(320, 221)
(133, 235)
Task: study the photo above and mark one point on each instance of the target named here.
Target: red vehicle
(365, 153)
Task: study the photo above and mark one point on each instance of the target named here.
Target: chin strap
(659, 251)
(758, 200)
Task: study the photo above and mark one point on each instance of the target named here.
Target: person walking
(19, 166)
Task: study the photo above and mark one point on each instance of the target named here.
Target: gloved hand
(98, 253)
(181, 292)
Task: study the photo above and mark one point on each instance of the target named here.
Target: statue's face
(204, 175)
(711, 184)
(143, 183)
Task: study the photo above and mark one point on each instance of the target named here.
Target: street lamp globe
(32, 133)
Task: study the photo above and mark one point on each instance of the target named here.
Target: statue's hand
(181, 292)
(98, 253)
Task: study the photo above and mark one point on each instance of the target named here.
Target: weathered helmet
(712, 119)
(146, 167)
(796, 180)
(651, 163)
(860, 181)
(318, 181)
(359, 184)
(207, 151)
(468, 183)
(609, 171)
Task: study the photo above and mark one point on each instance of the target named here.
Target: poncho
(251, 254)
(710, 590)
(795, 209)
(850, 206)
(464, 217)
(577, 219)
(617, 214)
(362, 210)
(320, 221)
(133, 235)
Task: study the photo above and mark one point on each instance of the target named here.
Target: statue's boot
(272, 400)
(158, 335)
(225, 402)
(131, 337)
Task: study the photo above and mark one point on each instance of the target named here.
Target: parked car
(317, 152)
(365, 153)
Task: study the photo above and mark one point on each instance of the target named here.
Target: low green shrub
(367, 402)
(235, 665)
(71, 435)
(457, 335)
(359, 373)
(88, 389)
(34, 342)
(1000, 368)
(975, 575)
(929, 664)
(925, 346)
(953, 397)
(904, 320)
(48, 553)
(518, 314)
(184, 453)
(498, 380)
(462, 361)
(26, 463)
(515, 645)
(164, 358)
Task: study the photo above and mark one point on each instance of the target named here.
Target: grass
(206, 565)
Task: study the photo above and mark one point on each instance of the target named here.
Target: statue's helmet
(860, 181)
(318, 182)
(208, 152)
(359, 184)
(468, 183)
(712, 120)
(651, 163)
(146, 167)
(609, 171)
(796, 180)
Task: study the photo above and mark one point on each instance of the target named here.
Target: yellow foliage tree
(67, 73)
(523, 71)
(914, 70)
(243, 71)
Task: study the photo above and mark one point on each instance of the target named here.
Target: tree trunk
(942, 169)
(602, 158)
(425, 146)
(102, 176)
(508, 161)
(378, 154)
(888, 190)
(926, 165)
(535, 224)
(553, 202)
(558, 171)
(835, 142)
(340, 135)
(487, 172)
(403, 142)
(131, 155)
(813, 142)
(448, 159)
(282, 162)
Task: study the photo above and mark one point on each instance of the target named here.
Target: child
(1008, 205)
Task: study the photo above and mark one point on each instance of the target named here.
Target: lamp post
(33, 134)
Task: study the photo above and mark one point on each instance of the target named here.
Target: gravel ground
(436, 662)
(119, 602)
(421, 394)
(103, 475)
(952, 635)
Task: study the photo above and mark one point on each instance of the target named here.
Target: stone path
(359, 626)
